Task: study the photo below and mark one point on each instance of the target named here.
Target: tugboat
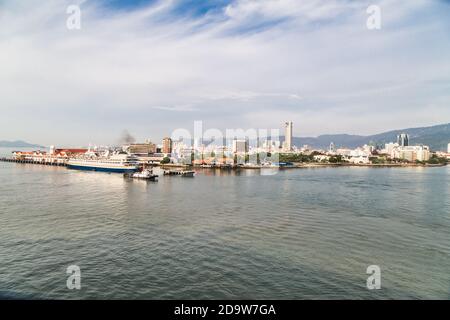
(145, 174)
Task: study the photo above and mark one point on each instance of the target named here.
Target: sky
(151, 67)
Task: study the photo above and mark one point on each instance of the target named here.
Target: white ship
(117, 163)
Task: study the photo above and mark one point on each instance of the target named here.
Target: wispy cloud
(234, 63)
(180, 108)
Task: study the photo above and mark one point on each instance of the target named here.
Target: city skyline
(434, 135)
(154, 66)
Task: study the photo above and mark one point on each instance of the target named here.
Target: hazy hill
(18, 144)
(437, 137)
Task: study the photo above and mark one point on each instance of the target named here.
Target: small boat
(145, 175)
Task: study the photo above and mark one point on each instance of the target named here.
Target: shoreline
(256, 167)
(370, 165)
(329, 165)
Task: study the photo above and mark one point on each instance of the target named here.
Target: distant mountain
(18, 144)
(437, 137)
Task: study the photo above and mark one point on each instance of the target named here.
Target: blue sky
(154, 66)
(191, 7)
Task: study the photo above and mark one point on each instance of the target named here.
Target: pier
(27, 161)
(183, 173)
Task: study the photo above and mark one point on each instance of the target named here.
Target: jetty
(40, 162)
(183, 173)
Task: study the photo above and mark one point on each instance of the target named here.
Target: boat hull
(102, 169)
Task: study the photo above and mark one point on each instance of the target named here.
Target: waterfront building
(441, 154)
(177, 146)
(389, 148)
(150, 158)
(269, 146)
(240, 146)
(54, 156)
(288, 136)
(275, 145)
(142, 148)
(359, 155)
(182, 154)
(423, 153)
(198, 143)
(361, 159)
(321, 158)
(68, 152)
(266, 146)
(412, 153)
(344, 152)
(403, 140)
(167, 145)
(368, 149)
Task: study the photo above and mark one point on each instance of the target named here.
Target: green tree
(165, 160)
(336, 159)
(437, 160)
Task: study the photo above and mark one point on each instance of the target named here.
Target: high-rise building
(167, 145)
(240, 146)
(288, 136)
(403, 140)
(390, 147)
(332, 148)
(448, 148)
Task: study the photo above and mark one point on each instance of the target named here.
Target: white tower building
(240, 146)
(288, 136)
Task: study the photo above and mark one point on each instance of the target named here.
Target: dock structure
(183, 173)
(29, 161)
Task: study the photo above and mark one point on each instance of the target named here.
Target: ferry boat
(116, 163)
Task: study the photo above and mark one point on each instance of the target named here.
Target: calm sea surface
(308, 233)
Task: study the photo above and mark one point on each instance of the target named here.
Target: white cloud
(151, 71)
(310, 10)
(179, 108)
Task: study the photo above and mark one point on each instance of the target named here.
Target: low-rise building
(142, 148)
(361, 159)
(411, 153)
(151, 158)
(54, 156)
(389, 148)
(321, 158)
(240, 146)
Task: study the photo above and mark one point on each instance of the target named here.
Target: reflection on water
(307, 233)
